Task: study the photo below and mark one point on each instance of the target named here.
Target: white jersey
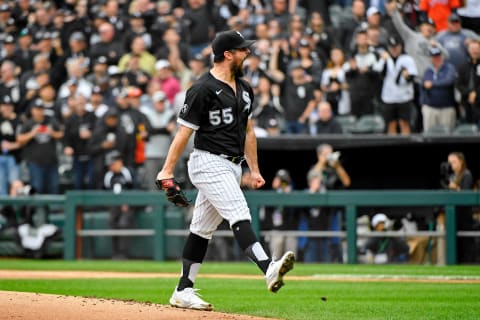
(397, 89)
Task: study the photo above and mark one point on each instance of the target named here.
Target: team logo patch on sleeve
(247, 100)
(184, 108)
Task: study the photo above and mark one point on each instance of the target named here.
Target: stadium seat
(465, 129)
(438, 130)
(369, 123)
(347, 122)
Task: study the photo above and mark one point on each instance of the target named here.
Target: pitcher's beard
(237, 70)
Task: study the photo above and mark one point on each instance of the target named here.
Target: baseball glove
(173, 191)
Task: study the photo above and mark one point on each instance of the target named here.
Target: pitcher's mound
(35, 306)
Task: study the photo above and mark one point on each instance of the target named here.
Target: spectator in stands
(398, 90)
(118, 178)
(281, 218)
(362, 75)
(381, 250)
(333, 176)
(137, 29)
(112, 10)
(38, 138)
(198, 18)
(334, 83)
(24, 54)
(310, 61)
(134, 75)
(32, 80)
(174, 50)
(99, 72)
(146, 61)
(439, 11)
(279, 11)
(323, 37)
(297, 99)
(165, 80)
(350, 23)
(10, 157)
(326, 123)
(162, 119)
(78, 132)
(455, 40)
(461, 179)
(108, 135)
(372, 23)
(9, 84)
(417, 43)
(7, 52)
(108, 46)
(96, 103)
(468, 83)
(438, 97)
(266, 105)
(470, 15)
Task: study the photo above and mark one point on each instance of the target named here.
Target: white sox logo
(184, 108)
(247, 100)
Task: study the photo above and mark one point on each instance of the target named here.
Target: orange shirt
(439, 11)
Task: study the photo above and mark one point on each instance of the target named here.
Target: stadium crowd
(82, 79)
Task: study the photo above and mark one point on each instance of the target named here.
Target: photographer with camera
(457, 177)
(331, 176)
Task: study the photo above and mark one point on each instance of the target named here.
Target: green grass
(297, 300)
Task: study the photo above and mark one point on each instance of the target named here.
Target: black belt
(234, 159)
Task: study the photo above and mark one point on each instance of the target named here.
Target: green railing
(73, 201)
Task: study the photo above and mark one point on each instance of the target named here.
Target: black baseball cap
(394, 41)
(429, 21)
(454, 17)
(435, 51)
(228, 40)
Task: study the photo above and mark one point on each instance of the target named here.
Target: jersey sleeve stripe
(187, 124)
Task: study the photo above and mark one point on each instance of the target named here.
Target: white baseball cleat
(188, 298)
(277, 269)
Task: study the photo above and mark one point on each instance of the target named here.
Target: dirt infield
(35, 306)
(29, 306)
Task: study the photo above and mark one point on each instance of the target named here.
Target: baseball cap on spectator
(38, 103)
(101, 60)
(112, 156)
(229, 40)
(96, 90)
(4, 7)
(136, 15)
(7, 100)
(454, 18)
(372, 10)
(77, 36)
(72, 82)
(393, 41)
(161, 64)
(435, 51)
(303, 43)
(24, 32)
(295, 64)
(159, 96)
(111, 112)
(429, 21)
(134, 92)
(378, 218)
(9, 39)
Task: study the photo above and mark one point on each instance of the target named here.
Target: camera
(333, 157)
(445, 174)
(26, 190)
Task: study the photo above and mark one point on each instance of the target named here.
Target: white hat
(159, 96)
(371, 11)
(379, 217)
(162, 63)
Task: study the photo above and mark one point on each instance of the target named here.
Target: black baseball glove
(173, 191)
